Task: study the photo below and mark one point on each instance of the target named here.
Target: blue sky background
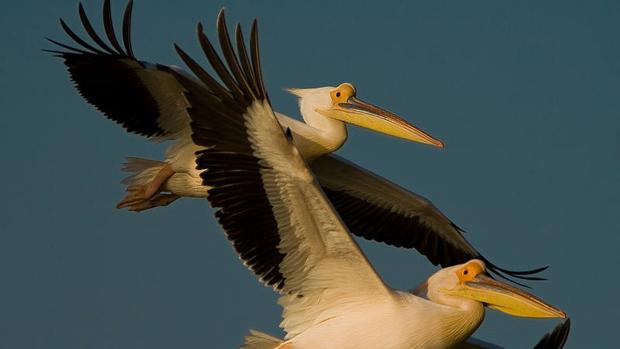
(525, 95)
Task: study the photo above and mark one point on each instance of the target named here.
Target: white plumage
(330, 294)
(147, 99)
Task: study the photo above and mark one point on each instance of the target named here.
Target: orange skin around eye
(342, 93)
(469, 271)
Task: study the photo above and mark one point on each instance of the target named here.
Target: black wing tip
(221, 13)
(51, 41)
(510, 275)
(100, 47)
(221, 16)
(69, 50)
(254, 29)
(517, 272)
(63, 24)
(55, 53)
(127, 15)
(185, 57)
(557, 338)
(108, 25)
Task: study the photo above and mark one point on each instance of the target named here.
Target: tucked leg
(156, 201)
(139, 196)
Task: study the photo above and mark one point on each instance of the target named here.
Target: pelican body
(324, 131)
(148, 99)
(267, 197)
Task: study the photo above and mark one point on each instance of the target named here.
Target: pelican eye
(469, 271)
(342, 93)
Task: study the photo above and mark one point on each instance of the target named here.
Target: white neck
(444, 325)
(318, 136)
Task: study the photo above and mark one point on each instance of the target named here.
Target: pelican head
(467, 285)
(340, 103)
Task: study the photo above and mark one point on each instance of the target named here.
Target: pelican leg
(140, 196)
(158, 200)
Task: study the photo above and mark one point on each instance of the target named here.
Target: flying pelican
(146, 99)
(331, 295)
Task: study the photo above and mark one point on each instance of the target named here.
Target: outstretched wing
(265, 194)
(143, 97)
(377, 209)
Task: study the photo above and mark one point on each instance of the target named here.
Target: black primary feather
(108, 75)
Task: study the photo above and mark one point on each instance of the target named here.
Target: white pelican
(263, 190)
(146, 99)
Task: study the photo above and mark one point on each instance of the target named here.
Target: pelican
(331, 295)
(147, 99)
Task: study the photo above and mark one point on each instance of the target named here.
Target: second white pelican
(147, 99)
(331, 295)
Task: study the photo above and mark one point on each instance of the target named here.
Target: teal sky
(525, 95)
